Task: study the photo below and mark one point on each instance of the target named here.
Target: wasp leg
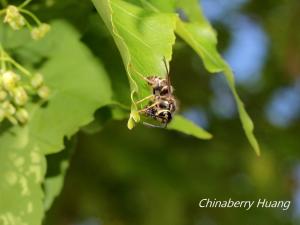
(144, 99)
(152, 125)
(141, 75)
(148, 107)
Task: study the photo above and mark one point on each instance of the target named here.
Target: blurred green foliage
(153, 176)
(160, 178)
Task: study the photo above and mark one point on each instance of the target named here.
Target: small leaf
(186, 126)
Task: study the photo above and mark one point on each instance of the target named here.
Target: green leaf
(154, 5)
(186, 126)
(12, 39)
(57, 165)
(244, 116)
(202, 38)
(200, 35)
(79, 86)
(104, 115)
(143, 39)
(21, 170)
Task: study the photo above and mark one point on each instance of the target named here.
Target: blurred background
(157, 177)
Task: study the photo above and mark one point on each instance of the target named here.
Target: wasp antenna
(168, 75)
(151, 125)
(138, 73)
(166, 65)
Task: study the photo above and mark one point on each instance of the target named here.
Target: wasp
(161, 109)
(162, 103)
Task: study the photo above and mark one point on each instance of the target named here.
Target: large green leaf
(143, 38)
(57, 165)
(79, 86)
(22, 170)
(200, 35)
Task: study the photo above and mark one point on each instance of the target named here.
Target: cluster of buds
(18, 86)
(39, 32)
(15, 93)
(14, 16)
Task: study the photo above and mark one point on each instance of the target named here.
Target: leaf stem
(28, 25)
(25, 3)
(25, 11)
(3, 64)
(4, 57)
(19, 67)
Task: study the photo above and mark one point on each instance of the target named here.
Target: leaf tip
(133, 118)
(257, 151)
(209, 136)
(130, 124)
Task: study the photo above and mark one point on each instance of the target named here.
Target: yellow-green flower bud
(37, 80)
(20, 96)
(38, 33)
(45, 28)
(14, 18)
(3, 95)
(8, 108)
(44, 92)
(22, 115)
(12, 120)
(130, 123)
(9, 79)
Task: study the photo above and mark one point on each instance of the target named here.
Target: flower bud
(3, 95)
(37, 80)
(44, 92)
(20, 96)
(22, 115)
(130, 123)
(45, 28)
(8, 108)
(14, 18)
(12, 120)
(9, 80)
(38, 33)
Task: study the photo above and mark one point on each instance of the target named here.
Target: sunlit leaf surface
(79, 86)
(199, 34)
(143, 38)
